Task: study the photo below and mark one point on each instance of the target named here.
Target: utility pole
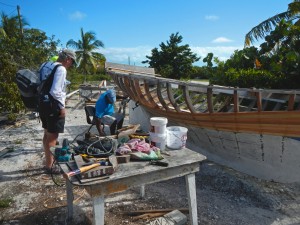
(20, 21)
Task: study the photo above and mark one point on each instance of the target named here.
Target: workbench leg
(98, 208)
(142, 191)
(192, 198)
(70, 198)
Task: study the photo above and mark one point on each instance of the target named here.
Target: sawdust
(224, 196)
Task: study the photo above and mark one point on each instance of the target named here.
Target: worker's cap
(71, 54)
(111, 94)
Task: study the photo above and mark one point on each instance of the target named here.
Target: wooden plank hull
(269, 157)
(251, 130)
(215, 107)
(273, 123)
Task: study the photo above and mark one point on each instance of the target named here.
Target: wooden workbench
(182, 162)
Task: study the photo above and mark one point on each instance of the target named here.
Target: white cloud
(138, 54)
(77, 15)
(211, 17)
(222, 52)
(123, 55)
(221, 40)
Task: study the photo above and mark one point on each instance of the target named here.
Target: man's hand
(62, 112)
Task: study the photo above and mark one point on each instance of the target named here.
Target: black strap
(47, 84)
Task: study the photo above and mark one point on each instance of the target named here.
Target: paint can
(176, 137)
(158, 131)
(158, 125)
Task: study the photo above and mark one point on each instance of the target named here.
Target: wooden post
(192, 198)
(20, 21)
(236, 101)
(70, 198)
(98, 210)
(258, 100)
(210, 100)
(291, 103)
(142, 191)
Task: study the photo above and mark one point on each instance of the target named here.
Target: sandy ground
(224, 196)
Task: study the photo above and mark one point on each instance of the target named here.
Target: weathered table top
(181, 162)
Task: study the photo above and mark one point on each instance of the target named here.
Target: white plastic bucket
(176, 137)
(158, 125)
(158, 140)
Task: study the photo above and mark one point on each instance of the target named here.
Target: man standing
(52, 106)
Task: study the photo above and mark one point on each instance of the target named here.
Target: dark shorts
(49, 113)
(53, 124)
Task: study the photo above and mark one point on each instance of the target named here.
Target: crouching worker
(105, 113)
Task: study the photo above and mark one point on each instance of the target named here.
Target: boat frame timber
(246, 110)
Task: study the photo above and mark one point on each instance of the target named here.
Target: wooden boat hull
(252, 130)
(268, 157)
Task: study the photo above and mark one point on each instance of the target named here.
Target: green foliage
(281, 50)
(77, 79)
(19, 51)
(208, 60)
(9, 97)
(5, 203)
(277, 62)
(242, 59)
(202, 72)
(172, 60)
(247, 78)
(262, 29)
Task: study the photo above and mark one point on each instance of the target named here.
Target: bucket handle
(182, 139)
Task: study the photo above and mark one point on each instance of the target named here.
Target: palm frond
(73, 44)
(85, 48)
(266, 26)
(98, 43)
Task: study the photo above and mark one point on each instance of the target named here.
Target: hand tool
(159, 163)
(85, 169)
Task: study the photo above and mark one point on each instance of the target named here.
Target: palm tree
(85, 50)
(260, 31)
(10, 26)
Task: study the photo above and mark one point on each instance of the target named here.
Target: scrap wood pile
(160, 216)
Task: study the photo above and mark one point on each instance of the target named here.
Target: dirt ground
(224, 196)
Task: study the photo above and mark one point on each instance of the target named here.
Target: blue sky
(130, 29)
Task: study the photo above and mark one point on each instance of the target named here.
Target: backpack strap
(40, 70)
(51, 76)
(46, 85)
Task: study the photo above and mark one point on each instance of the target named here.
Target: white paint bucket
(176, 137)
(158, 140)
(158, 125)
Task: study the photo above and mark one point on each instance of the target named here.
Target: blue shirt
(102, 107)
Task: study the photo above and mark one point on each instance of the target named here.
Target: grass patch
(18, 141)
(5, 203)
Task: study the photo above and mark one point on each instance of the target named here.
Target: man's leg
(120, 124)
(113, 127)
(49, 140)
(99, 127)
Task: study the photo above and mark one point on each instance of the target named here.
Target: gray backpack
(30, 86)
